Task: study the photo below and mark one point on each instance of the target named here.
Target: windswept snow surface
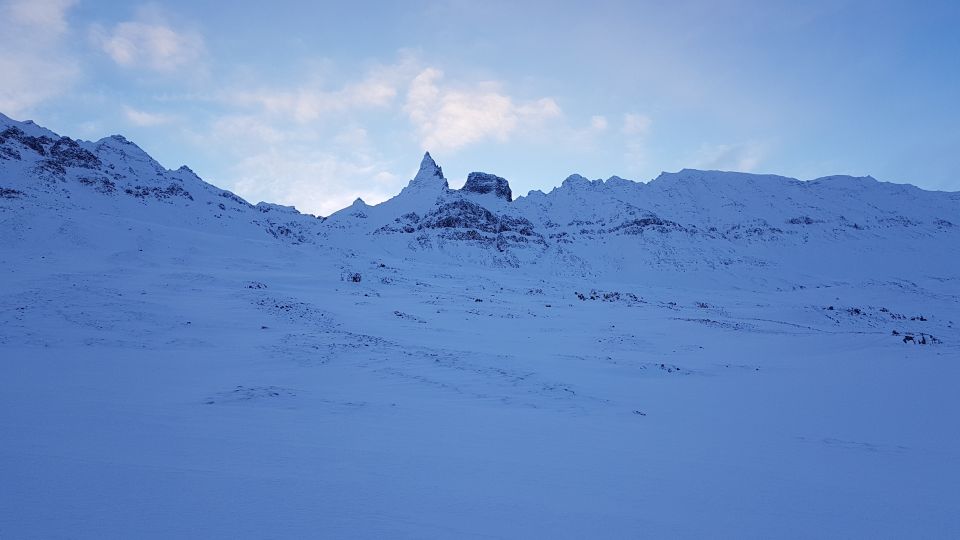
(705, 355)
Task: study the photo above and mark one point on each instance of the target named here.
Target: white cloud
(46, 16)
(385, 177)
(743, 157)
(598, 123)
(144, 118)
(249, 129)
(314, 181)
(307, 143)
(635, 124)
(304, 165)
(313, 100)
(35, 62)
(354, 136)
(636, 130)
(307, 104)
(447, 118)
(150, 44)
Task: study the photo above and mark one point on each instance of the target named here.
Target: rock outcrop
(479, 182)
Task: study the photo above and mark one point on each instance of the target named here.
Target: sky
(314, 104)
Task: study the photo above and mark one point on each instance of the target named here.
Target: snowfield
(705, 355)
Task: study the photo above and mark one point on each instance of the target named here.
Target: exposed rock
(479, 182)
(37, 144)
(70, 154)
(271, 207)
(160, 194)
(430, 175)
(461, 215)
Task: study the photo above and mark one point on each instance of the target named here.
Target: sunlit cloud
(449, 118)
(315, 181)
(47, 16)
(307, 104)
(144, 118)
(742, 157)
(598, 123)
(635, 124)
(36, 63)
(636, 130)
(150, 43)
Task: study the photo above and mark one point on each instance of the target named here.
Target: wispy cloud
(636, 124)
(305, 143)
(741, 157)
(316, 97)
(150, 43)
(48, 16)
(449, 118)
(306, 104)
(144, 118)
(35, 62)
(316, 182)
(635, 130)
(598, 123)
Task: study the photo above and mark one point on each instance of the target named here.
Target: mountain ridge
(454, 363)
(690, 220)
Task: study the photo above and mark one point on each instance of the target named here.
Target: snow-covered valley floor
(156, 389)
(708, 354)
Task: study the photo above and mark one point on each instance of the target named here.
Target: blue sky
(315, 104)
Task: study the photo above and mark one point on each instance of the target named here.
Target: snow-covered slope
(705, 354)
(706, 223)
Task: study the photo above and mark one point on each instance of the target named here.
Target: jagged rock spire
(430, 174)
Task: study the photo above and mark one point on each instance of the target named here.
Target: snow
(705, 355)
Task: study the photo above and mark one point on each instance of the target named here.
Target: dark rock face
(37, 144)
(461, 215)
(478, 182)
(173, 190)
(638, 226)
(59, 154)
(69, 154)
(467, 215)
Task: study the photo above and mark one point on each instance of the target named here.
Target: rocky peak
(575, 181)
(118, 144)
(480, 182)
(116, 149)
(430, 174)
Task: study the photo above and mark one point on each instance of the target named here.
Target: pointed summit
(430, 174)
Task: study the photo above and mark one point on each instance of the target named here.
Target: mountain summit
(297, 376)
(699, 224)
(430, 174)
